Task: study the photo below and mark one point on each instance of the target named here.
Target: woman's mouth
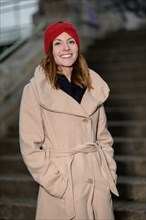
(66, 55)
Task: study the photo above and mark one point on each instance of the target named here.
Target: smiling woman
(63, 132)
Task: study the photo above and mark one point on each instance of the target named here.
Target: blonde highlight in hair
(80, 73)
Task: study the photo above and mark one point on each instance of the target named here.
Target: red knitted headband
(53, 30)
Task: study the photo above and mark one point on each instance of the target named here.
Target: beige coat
(68, 150)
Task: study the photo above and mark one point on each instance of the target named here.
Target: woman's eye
(71, 41)
(57, 43)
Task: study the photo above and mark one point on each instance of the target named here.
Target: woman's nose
(66, 46)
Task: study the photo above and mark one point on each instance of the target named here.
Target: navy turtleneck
(71, 89)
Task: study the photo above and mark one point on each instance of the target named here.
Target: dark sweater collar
(70, 88)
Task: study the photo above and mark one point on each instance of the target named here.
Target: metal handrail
(12, 49)
(10, 100)
(19, 43)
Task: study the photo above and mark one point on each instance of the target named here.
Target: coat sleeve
(31, 139)
(106, 141)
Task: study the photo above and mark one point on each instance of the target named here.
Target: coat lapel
(96, 96)
(59, 101)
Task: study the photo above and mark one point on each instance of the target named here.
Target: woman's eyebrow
(57, 39)
(61, 39)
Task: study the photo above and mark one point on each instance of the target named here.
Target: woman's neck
(67, 71)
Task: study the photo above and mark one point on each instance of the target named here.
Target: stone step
(125, 210)
(123, 145)
(105, 64)
(113, 54)
(12, 164)
(129, 87)
(22, 209)
(118, 61)
(9, 146)
(127, 76)
(131, 165)
(122, 38)
(129, 146)
(102, 54)
(23, 185)
(13, 130)
(114, 42)
(132, 188)
(118, 68)
(125, 113)
(138, 33)
(17, 208)
(127, 128)
(13, 133)
(127, 99)
(127, 165)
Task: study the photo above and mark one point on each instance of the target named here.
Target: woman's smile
(66, 56)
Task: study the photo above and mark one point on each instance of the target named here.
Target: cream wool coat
(68, 150)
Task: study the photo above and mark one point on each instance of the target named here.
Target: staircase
(120, 60)
(18, 191)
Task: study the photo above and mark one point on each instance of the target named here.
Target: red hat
(53, 30)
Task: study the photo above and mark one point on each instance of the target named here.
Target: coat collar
(59, 101)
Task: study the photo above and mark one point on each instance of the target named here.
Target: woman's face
(65, 50)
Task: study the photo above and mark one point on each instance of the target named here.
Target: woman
(63, 135)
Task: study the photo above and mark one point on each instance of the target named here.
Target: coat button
(90, 181)
(85, 120)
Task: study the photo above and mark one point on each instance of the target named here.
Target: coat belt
(69, 154)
